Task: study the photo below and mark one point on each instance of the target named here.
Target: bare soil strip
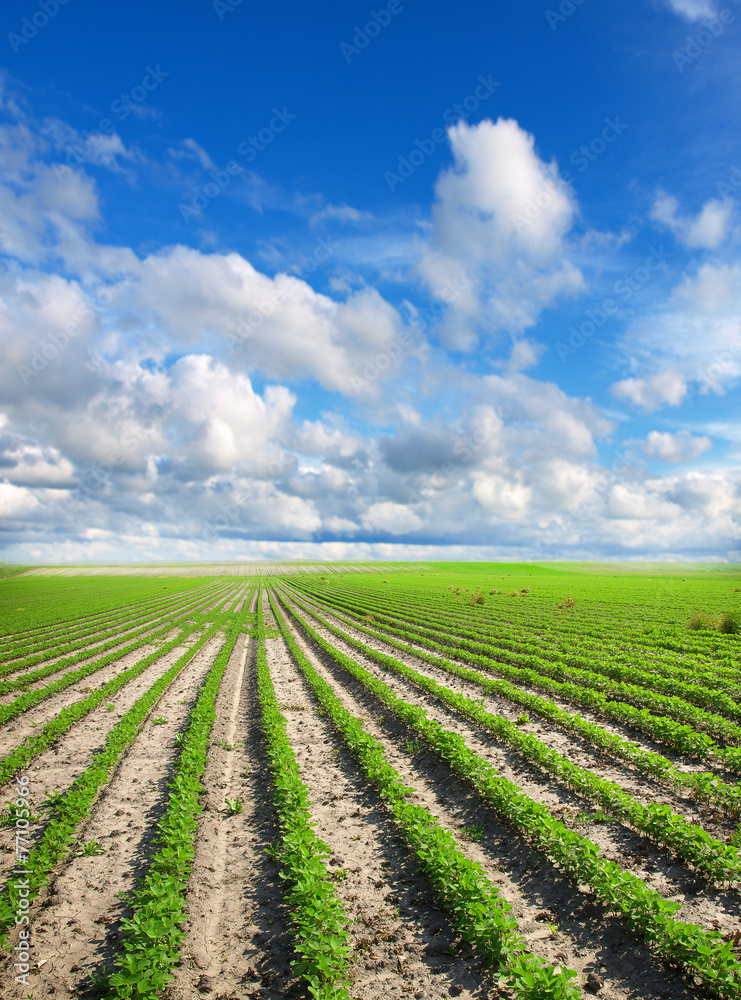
(79, 924)
(595, 936)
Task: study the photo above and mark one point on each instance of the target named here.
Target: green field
(379, 780)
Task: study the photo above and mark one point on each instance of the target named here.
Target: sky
(341, 281)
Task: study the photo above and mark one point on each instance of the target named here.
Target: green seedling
(226, 746)
(522, 719)
(159, 720)
(110, 708)
(14, 812)
(474, 832)
(234, 806)
(91, 848)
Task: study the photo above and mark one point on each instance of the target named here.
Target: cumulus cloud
(390, 518)
(279, 325)
(707, 230)
(679, 447)
(650, 394)
(500, 224)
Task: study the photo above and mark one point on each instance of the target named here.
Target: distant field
(409, 780)
(189, 569)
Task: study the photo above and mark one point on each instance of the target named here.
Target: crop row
(706, 786)
(124, 619)
(13, 762)
(664, 730)
(30, 677)
(154, 931)
(657, 822)
(480, 914)
(640, 687)
(70, 808)
(471, 623)
(29, 699)
(113, 633)
(319, 922)
(62, 603)
(697, 951)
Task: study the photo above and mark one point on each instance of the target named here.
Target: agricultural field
(467, 780)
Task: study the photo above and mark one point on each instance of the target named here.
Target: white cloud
(16, 501)
(30, 465)
(230, 426)
(650, 394)
(707, 230)
(390, 518)
(694, 338)
(279, 325)
(693, 10)
(500, 224)
(679, 447)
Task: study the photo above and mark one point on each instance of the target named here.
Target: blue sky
(392, 281)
